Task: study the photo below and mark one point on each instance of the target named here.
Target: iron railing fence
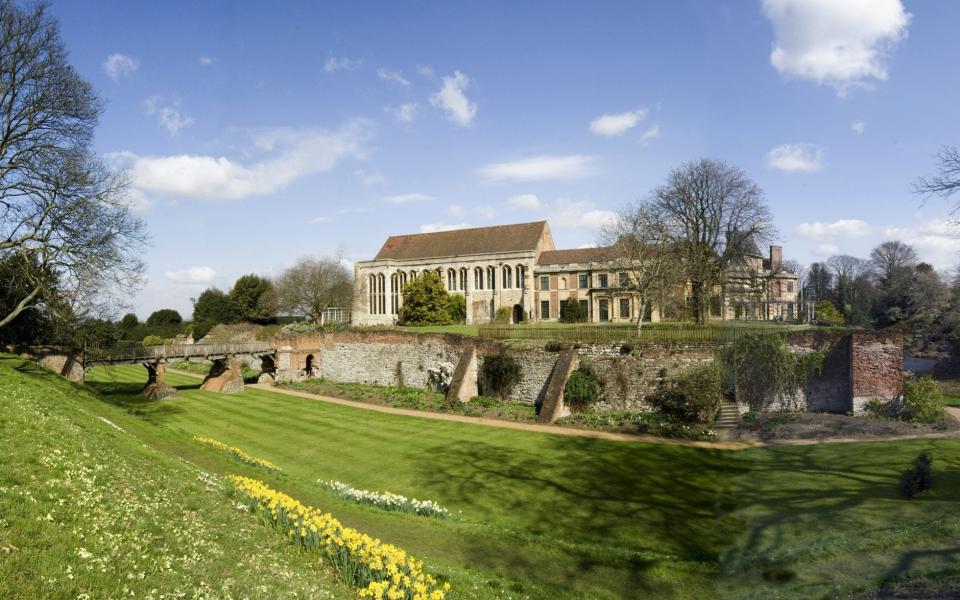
(121, 353)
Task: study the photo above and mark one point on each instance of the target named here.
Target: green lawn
(951, 400)
(546, 516)
(88, 511)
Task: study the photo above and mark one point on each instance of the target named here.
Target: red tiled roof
(576, 256)
(460, 242)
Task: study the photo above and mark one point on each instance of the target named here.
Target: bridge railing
(95, 355)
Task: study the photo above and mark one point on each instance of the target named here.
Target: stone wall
(629, 377)
(857, 367)
(63, 361)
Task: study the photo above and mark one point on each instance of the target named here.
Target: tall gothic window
(507, 277)
(477, 278)
(451, 280)
(492, 278)
(463, 279)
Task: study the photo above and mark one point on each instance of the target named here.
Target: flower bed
(381, 570)
(237, 453)
(386, 500)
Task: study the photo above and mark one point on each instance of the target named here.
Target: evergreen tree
(425, 301)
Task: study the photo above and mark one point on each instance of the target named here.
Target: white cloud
(842, 229)
(425, 71)
(825, 250)
(341, 63)
(393, 77)
(193, 275)
(317, 220)
(405, 113)
(137, 201)
(486, 212)
(455, 210)
(650, 134)
(842, 43)
(525, 202)
(369, 177)
(408, 198)
(207, 61)
(434, 227)
(294, 153)
(617, 124)
(937, 241)
(168, 116)
(452, 99)
(858, 127)
(796, 158)
(540, 168)
(582, 214)
(118, 66)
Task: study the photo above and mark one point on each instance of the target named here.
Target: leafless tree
(890, 257)
(61, 209)
(640, 244)
(313, 285)
(946, 181)
(716, 215)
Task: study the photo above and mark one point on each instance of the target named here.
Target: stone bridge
(224, 375)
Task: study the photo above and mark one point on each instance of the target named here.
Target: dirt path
(952, 412)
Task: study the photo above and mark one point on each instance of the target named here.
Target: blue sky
(255, 133)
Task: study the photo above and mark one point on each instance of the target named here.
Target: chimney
(776, 257)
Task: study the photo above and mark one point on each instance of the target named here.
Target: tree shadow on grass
(126, 395)
(808, 507)
(627, 508)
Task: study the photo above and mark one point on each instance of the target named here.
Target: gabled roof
(461, 242)
(576, 256)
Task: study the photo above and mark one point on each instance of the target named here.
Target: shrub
(583, 388)
(919, 478)
(553, 346)
(504, 315)
(764, 369)
(693, 395)
(153, 340)
(572, 312)
(626, 349)
(268, 332)
(457, 308)
(500, 373)
(425, 301)
(825, 311)
(922, 401)
(878, 408)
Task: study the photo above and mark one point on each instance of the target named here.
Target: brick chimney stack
(776, 257)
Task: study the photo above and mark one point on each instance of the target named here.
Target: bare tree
(641, 244)
(716, 215)
(890, 257)
(61, 210)
(946, 181)
(313, 285)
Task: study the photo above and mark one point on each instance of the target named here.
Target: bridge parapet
(174, 351)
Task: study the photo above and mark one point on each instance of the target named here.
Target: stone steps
(728, 416)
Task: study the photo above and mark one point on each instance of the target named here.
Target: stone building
(518, 267)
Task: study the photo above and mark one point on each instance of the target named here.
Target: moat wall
(857, 366)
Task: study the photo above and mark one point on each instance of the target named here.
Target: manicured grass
(547, 516)
(88, 511)
(949, 400)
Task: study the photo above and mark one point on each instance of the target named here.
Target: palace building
(519, 268)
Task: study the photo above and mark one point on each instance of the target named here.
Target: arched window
(382, 289)
(521, 277)
(562, 283)
(413, 274)
(372, 294)
(463, 279)
(492, 278)
(394, 293)
(507, 277)
(451, 280)
(477, 278)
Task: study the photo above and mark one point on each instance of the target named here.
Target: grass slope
(88, 511)
(547, 516)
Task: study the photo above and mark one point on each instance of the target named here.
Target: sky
(255, 133)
